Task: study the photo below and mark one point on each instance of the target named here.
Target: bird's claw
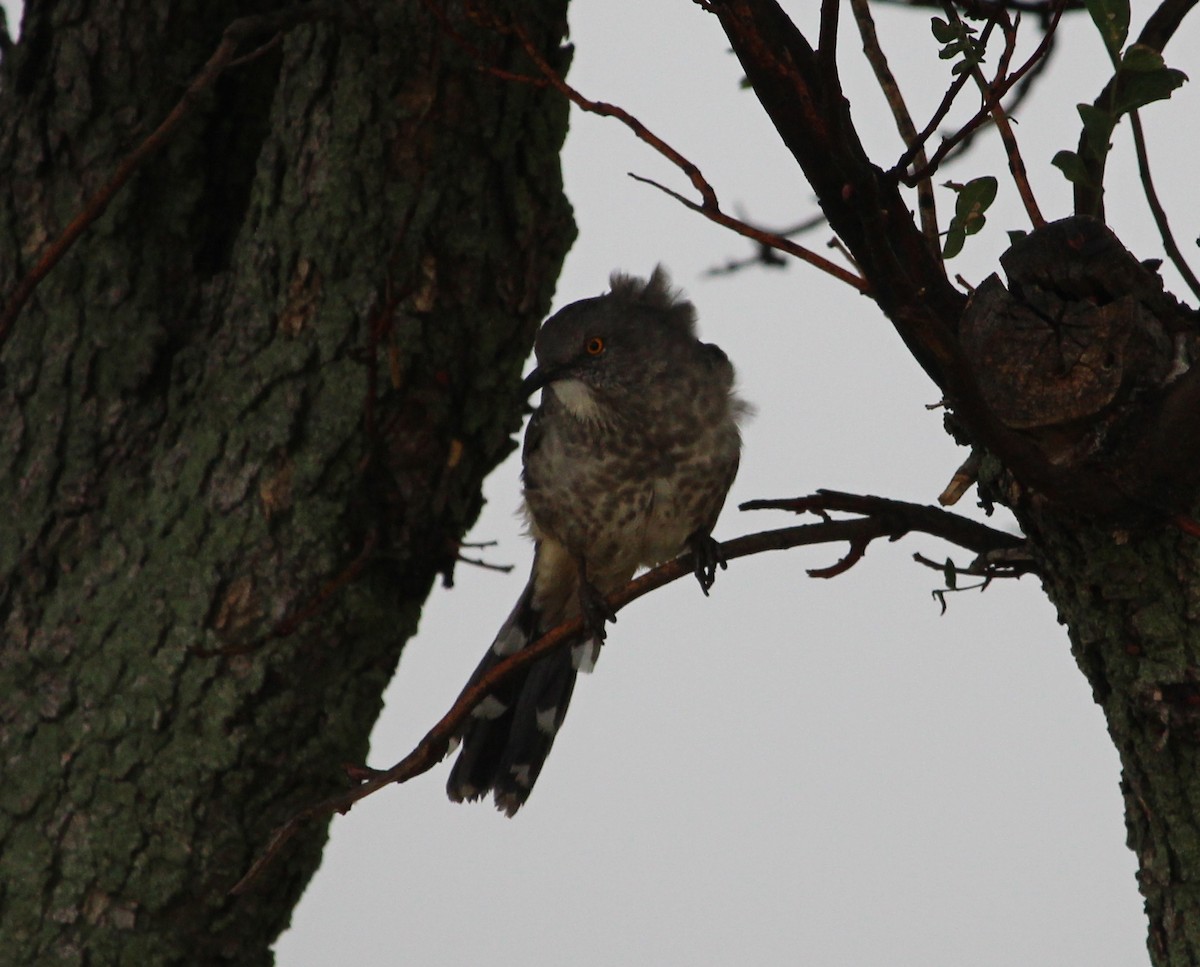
(709, 557)
(596, 611)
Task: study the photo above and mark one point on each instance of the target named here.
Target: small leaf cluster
(1141, 78)
(974, 198)
(958, 40)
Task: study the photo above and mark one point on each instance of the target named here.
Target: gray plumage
(627, 463)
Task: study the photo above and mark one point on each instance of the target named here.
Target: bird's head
(596, 351)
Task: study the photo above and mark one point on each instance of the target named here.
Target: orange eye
(595, 346)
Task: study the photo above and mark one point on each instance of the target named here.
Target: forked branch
(708, 206)
(1016, 164)
(996, 90)
(877, 517)
(873, 51)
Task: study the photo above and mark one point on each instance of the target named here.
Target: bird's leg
(596, 610)
(708, 558)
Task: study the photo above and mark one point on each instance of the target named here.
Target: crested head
(654, 293)
(606, 351)
(635, 319)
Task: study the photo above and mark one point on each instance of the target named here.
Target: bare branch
(905, 517)
(997, 90)
(891, 519)
(766, 238)
(1156, 208)
(926, 205)
(1015, 164)
(864, 206)
(709, 207)
(917, 146)
(611, 110)
(765, 255)
(486, 565)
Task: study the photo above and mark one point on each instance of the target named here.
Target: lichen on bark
(281, 362)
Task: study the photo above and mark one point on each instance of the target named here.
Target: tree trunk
(245, 422)
(1130, 599)
(1080, 381)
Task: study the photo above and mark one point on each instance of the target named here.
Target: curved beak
(535, 381)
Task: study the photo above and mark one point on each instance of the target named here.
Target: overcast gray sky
(792, 770)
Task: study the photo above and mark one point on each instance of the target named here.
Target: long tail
(510, 734)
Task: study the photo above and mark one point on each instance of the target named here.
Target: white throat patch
(578, 398)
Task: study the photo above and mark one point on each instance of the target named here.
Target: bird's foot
(708, 558)
(596, 611)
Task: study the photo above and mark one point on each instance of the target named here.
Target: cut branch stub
(1078, 352)
(1040, 369)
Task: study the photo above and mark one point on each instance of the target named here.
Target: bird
(626, 463)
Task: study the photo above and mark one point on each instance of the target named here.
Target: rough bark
(1130, 599)
(1078, 378)
(244, 424)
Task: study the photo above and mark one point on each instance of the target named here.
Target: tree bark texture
(244, 424)
(1079, 378)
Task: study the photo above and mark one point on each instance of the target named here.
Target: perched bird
(627, 463)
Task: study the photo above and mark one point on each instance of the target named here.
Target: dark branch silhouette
(878, 517)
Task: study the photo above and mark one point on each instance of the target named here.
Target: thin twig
(840, 246)
(858, 549)
(766, 238)
(1011, 566)
(926, 205)
(1016, 164)
(1021, 90)
(486, 565)
(998, 90)
(1156, 208)
(605, 109)
(923, 172)
(221, 60)
(887, 519)
(710, 208)
(766, 254)
(1158, 29)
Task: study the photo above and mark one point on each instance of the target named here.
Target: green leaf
(955, 237)
(1112, 20)
(943, 31)
(1138, 88)
(1072, 166)
(974, 198)
(958, 40)
(1140, 58)
(1098, 125)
